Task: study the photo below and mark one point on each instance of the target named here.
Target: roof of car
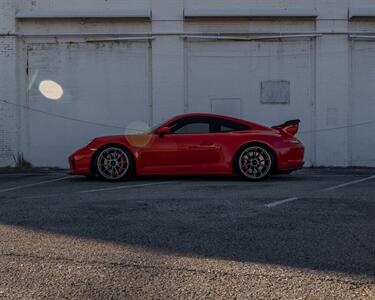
(208, 115)
(249, 123)
(242, 121)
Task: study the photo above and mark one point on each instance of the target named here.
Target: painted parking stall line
(280, 202)
(32, 174)
(328, 189)
(122, 187)
(5, 175)
(339, 186)
(20, 187)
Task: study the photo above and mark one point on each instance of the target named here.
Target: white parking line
(2, 175)
(277, 203)
(335, 187)
(347, 184)
(33, 184)
(122, 187)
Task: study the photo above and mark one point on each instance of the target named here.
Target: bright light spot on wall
(135, 134)
(137, 127)
(51, 89)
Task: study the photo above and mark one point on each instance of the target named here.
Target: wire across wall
(172, 55)
(104, 125)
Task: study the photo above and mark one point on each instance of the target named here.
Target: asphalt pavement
(308, 235)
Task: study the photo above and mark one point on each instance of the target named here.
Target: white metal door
(363, 104)
(105, 88)
(236, 72)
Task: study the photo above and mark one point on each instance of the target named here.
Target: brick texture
(7, 92)
(7, 13)
(7, 82)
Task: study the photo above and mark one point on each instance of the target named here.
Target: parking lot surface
(308, 235)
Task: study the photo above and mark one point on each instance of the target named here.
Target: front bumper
(80, 162)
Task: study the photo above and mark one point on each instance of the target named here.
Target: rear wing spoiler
(291, 127)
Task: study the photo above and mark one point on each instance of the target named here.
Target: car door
(197, 150)
(189, 148)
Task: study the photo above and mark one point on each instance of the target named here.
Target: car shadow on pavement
(198, 178)
(320, 234)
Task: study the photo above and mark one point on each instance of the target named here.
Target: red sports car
(194, 144)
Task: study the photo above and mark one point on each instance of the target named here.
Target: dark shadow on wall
(202, 222)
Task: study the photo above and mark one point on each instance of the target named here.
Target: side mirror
(163, 131)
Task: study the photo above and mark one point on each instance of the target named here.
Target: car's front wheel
(113, 163)
(254, 163)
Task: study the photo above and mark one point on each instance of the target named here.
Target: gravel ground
(308, 235)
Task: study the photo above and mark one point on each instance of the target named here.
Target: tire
(254, 163)
(113, 163)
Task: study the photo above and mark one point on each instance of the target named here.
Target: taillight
(295, 142)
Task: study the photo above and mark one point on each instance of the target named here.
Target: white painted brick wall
(8, 50)
(7, 13)
(8, 126)
(332, 51)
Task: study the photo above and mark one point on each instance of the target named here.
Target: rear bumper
(292, 166)
(80, 162)
(291, 158)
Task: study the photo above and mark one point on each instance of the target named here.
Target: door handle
(207, 143)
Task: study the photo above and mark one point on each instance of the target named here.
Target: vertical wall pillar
(332, 84)
(167, 60)
(8, 83)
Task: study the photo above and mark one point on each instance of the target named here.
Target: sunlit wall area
(71, 71)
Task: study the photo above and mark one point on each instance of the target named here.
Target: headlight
(89, 145)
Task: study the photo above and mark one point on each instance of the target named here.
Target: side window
(193, 125)
(223, 125)
(194, 128)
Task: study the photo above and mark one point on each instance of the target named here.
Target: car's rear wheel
(113, 163)
(254, 163)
